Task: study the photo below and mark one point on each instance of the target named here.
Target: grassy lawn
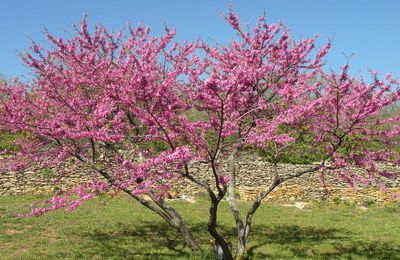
(119, 228)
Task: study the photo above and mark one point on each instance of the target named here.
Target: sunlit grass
(119, 228)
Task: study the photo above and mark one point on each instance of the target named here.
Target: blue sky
(369, 29)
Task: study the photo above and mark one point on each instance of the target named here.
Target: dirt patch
(13, 231)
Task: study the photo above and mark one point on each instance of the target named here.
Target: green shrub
(7, 141)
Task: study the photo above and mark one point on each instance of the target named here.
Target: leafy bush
(7, 141)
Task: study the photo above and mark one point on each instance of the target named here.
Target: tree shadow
(367, 250)
(303, 242)
(150, 240)
(155, 240)
(290, 236)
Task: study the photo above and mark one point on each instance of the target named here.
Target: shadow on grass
(304, 242)
(290, 236)
(367, 250)
(158, 241)
(147, 241)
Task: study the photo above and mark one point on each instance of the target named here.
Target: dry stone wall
(36, 181)
(254, 175)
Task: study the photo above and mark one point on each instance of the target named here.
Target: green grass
(119, 228)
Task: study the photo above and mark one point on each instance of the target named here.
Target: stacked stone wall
(254, 175)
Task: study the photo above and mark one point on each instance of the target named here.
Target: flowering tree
(97, 99)
(260, 91)
(107, 101)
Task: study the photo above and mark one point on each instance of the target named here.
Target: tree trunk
(241, 244)
(241, 249)
(179, 224)
(212, 228)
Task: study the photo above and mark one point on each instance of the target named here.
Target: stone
(300, 205)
